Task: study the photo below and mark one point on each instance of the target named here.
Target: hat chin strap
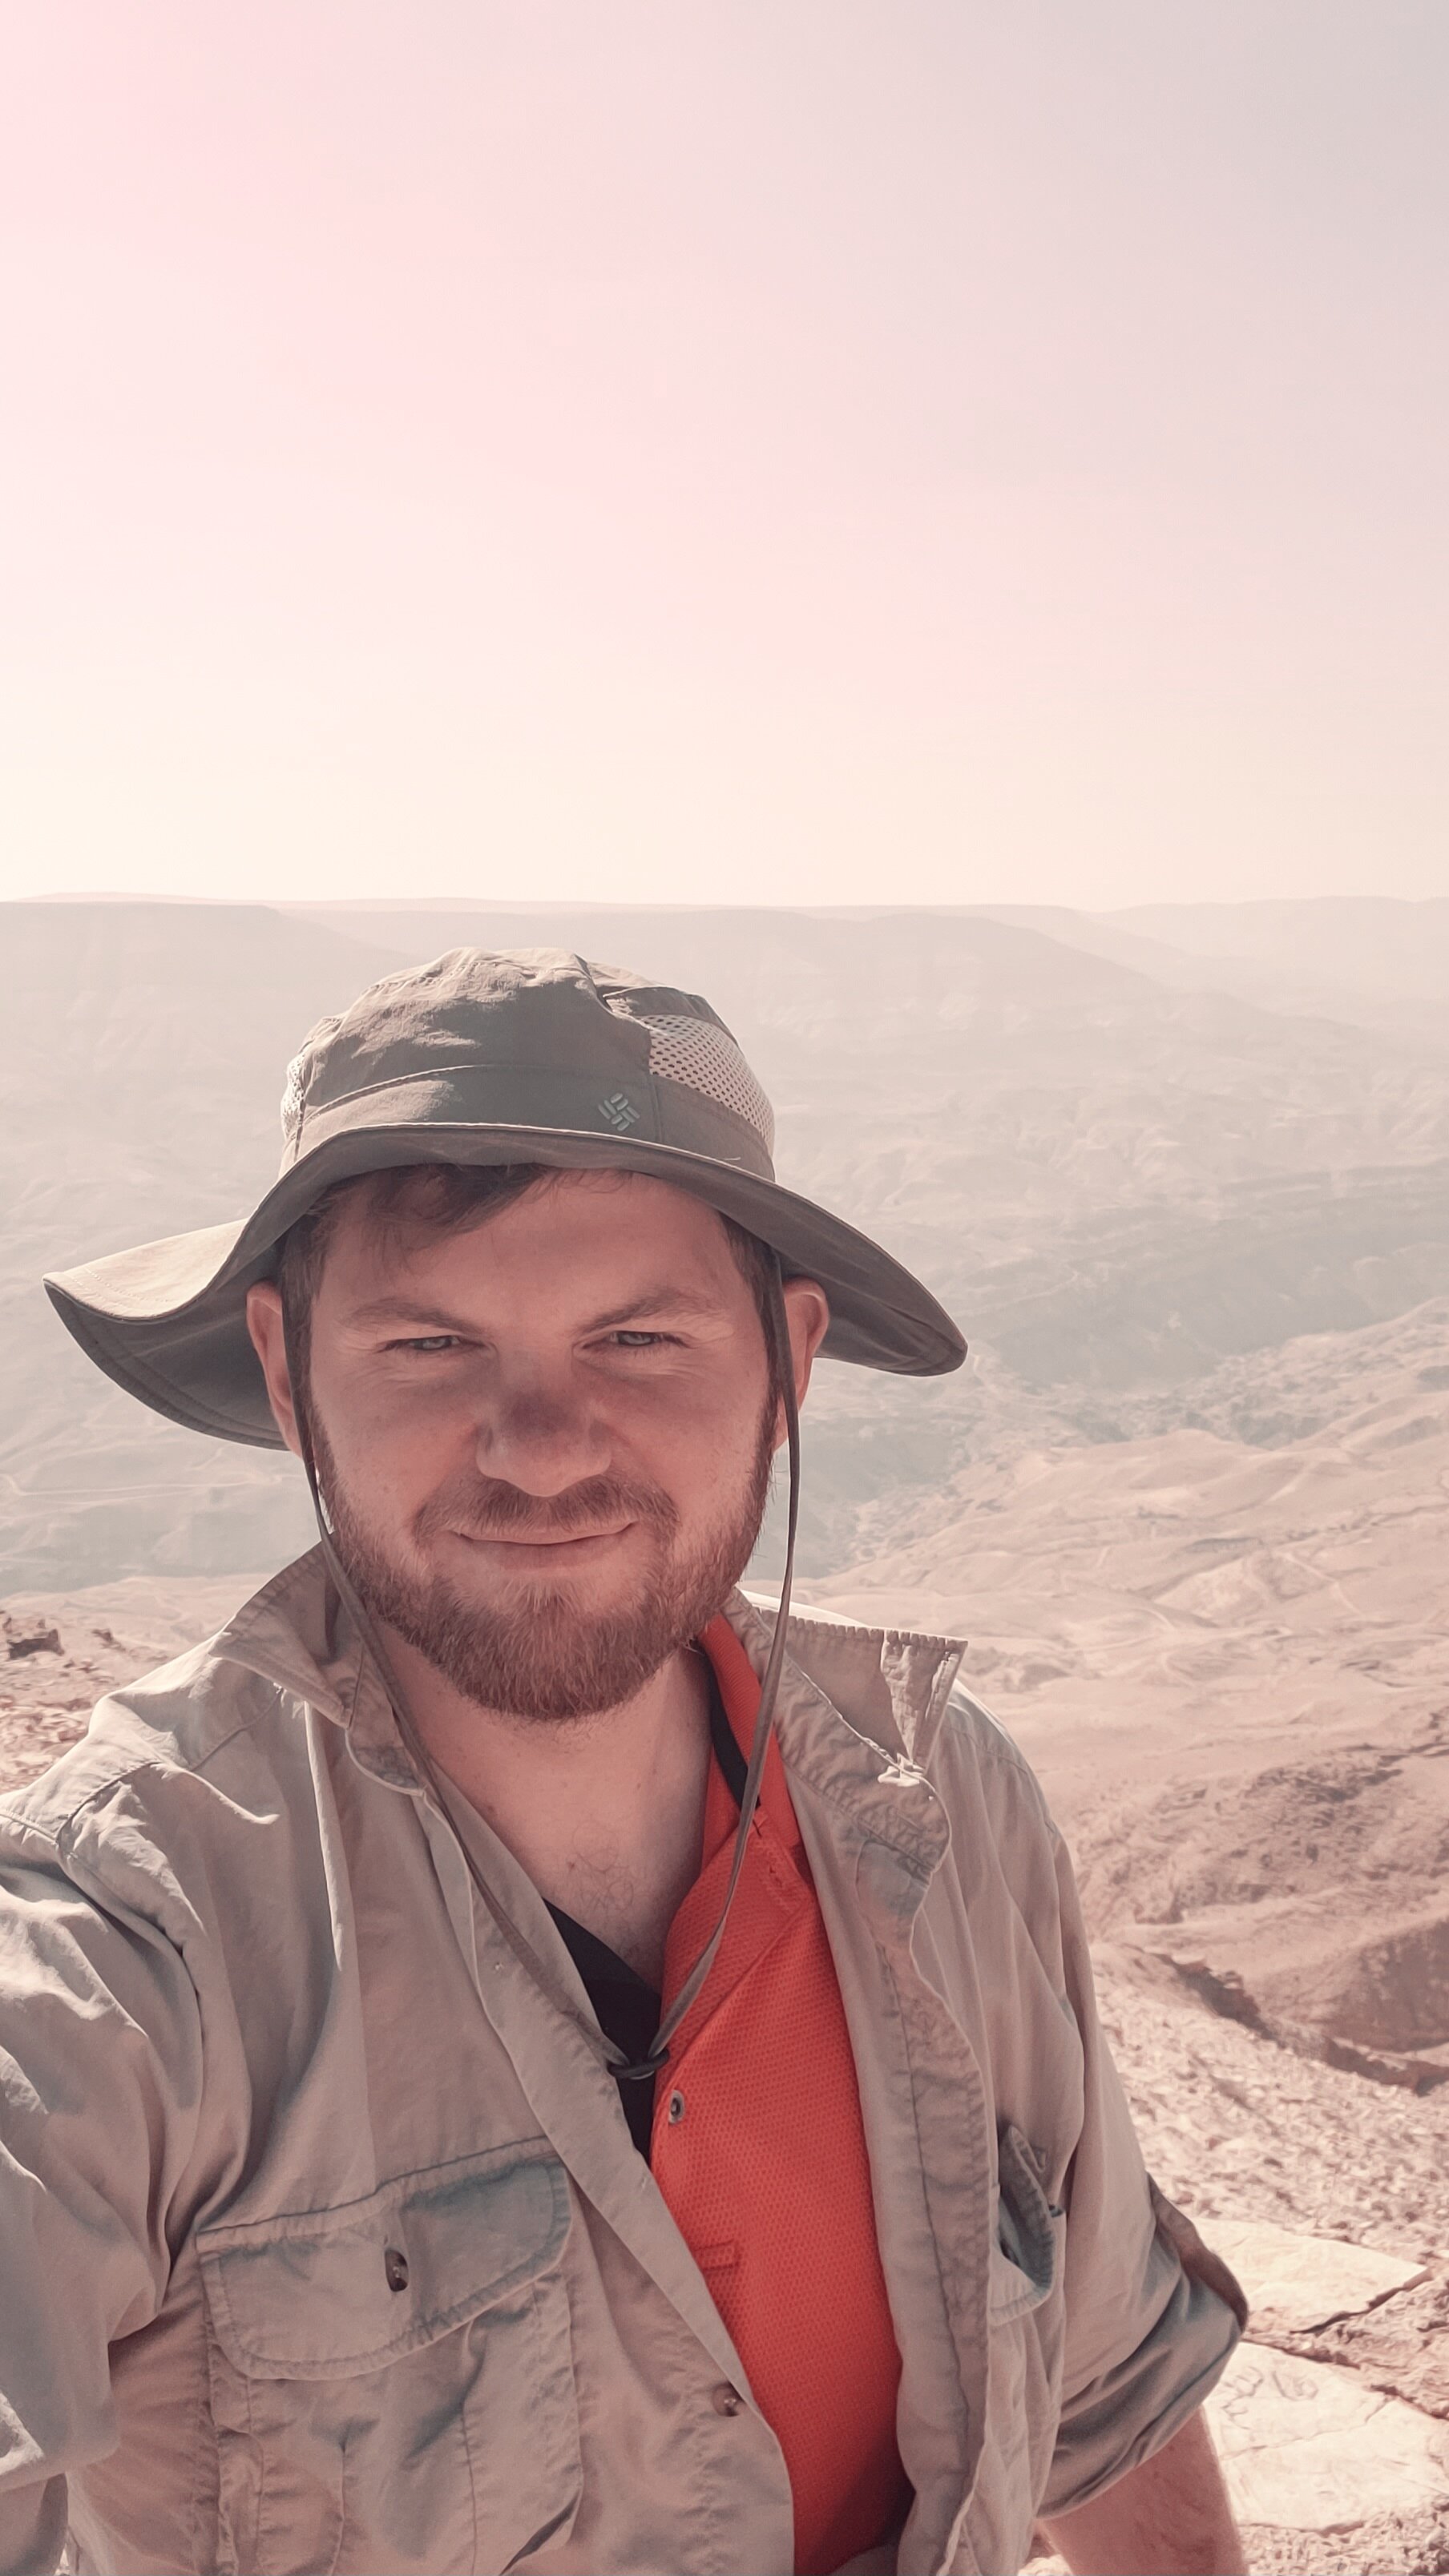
(605, 2049)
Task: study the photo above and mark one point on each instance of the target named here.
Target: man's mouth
(533, 1549)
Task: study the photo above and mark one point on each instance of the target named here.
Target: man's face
(544, 1442)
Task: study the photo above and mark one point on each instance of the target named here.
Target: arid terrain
(1185, 1179)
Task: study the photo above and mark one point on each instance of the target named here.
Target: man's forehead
(625, 1222)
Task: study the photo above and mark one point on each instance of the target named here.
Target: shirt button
(395, 2268)
(676, 2109)
(725, 2400)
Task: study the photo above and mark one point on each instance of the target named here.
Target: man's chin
(542, 1654)
(591, 1595)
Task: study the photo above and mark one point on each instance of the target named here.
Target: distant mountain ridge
(1375, 962)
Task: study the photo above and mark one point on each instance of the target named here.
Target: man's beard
(541, 1657)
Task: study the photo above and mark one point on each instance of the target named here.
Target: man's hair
(423, 1199)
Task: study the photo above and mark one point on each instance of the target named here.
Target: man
(515, 2058)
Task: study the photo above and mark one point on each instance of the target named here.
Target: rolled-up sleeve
(1147, 2335)
(99, 2080)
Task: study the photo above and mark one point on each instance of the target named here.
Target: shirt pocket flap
(322, 2294)
(1025, 2254)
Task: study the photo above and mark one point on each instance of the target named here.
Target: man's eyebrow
(406, 1310)
(654, 1303)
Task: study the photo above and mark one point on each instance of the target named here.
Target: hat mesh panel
(695, 1052)
(292, 1101)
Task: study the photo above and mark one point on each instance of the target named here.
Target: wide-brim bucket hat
(490, 1056)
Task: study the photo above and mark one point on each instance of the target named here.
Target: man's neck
(605, 1813)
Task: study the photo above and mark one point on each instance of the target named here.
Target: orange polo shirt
(759, 2150)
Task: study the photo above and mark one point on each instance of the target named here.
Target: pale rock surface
(1401, 2347)
(1295, 2283)
(1307, 2447)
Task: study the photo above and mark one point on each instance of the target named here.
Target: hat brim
(167, 1321)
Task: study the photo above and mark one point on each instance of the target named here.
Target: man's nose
(540, 1439)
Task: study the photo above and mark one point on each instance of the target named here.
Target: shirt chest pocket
(1026, 2253)
(392, 2381)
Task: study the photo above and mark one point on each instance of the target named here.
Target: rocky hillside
(1260, 1561)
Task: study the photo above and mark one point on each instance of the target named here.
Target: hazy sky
(773, 449)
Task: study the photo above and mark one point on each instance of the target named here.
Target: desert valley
(1184, 1178)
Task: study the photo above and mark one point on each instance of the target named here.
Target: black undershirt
(626, 2008)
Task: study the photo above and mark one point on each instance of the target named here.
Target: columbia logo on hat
(620, 1112)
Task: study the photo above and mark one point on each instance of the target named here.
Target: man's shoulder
(214, 1709)
(971, 1731)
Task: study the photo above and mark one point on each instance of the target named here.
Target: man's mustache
(486, 1507)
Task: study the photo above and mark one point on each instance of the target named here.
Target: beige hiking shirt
(324, 2243)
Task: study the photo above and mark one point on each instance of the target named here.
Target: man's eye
(626, 1341)
(426, 1342)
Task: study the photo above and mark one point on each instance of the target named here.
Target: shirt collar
(858, 1713)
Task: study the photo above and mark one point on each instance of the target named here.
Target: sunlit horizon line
(816, 911)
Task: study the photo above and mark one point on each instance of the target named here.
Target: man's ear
(807, 1314)
(264, 1323)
